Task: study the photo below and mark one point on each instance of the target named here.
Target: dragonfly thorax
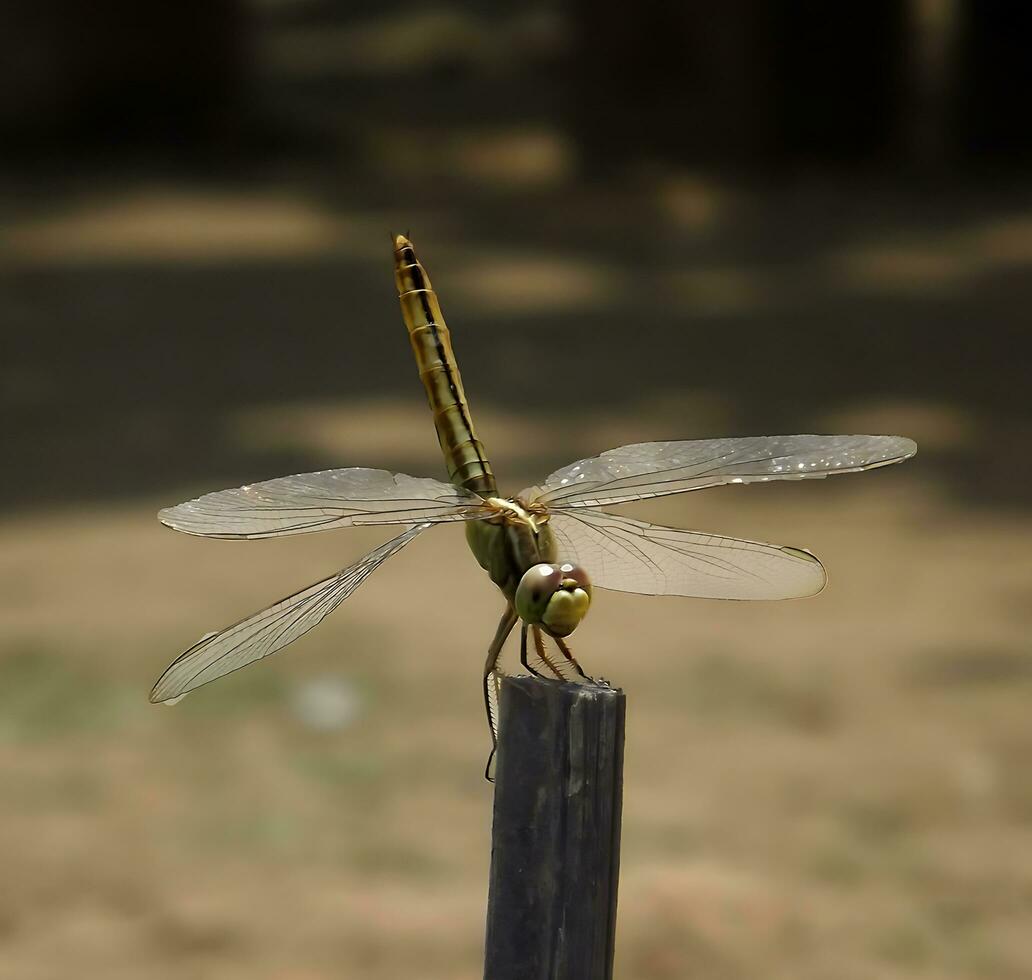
(515, 537)
(513, 510)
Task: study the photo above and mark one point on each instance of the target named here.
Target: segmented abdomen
(464, 453)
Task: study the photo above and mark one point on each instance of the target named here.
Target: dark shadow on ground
(118, 375)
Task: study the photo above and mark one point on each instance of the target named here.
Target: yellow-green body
(464, 453)
(517, 536)
(507, 545)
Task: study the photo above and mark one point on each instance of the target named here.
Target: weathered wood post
(555, 855)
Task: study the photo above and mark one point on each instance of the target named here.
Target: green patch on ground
(45, 694)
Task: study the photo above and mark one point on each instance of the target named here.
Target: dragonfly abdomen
(464, 453)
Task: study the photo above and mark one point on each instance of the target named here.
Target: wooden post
(555, 854)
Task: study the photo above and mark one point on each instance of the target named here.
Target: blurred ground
(835, 788)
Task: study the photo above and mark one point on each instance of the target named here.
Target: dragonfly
(547, 548)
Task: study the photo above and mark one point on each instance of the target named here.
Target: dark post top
(555, 853)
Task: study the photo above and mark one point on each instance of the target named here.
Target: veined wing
(318, 501)
(653, 469)
(270, 630)
(632, 556)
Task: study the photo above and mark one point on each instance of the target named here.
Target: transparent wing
(271, 629)
(631, 556)
(317, 501)
(653, 469)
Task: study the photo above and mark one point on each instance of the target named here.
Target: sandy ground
(836, 787)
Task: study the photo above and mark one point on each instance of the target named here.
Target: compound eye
(536, 588)
(556, 597)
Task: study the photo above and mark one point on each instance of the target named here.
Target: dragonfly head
(554, 596)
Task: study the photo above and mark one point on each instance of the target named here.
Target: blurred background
(645, 221)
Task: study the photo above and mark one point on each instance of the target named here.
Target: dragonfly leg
(490, 759)
(491, 675)
(568, 654)
(539, 644)
(524, 654)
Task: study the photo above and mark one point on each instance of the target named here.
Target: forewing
(270, 630)
(654, 469)
(632, 556)
(318, 501)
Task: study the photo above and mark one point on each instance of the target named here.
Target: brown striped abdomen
(464, 453)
